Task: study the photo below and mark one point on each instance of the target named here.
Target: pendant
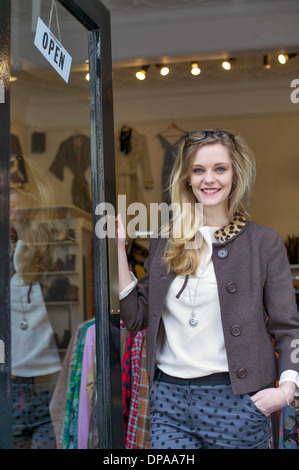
(193, 321)
(24, 325)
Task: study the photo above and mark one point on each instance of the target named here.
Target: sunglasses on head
(196, 136)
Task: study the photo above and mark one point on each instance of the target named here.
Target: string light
(195, 70)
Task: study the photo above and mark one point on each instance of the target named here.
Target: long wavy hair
(34, 219)
(185, 261)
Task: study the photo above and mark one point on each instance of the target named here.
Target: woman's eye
(198, 170)
(220, 169)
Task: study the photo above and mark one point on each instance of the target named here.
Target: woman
(35, 357)
(213, 310)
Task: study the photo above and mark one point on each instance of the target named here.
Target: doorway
(59, 138)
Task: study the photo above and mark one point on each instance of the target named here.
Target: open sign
(52, 50)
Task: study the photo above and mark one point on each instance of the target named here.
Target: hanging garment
(17, 171)
(288, 428)
(168, 162)
(15, 146)
(130, 156)
(73, 407)
(70, 438)
(74, 153)
(84, 404)
(136, 353)
(143, 414)
(126, 381)
(58, 401)
(135, 393)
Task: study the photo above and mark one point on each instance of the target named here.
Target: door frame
(96, 18)
(5, 338)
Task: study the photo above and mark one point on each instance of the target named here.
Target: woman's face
(211, 176)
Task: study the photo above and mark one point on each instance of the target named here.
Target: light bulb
(164, 70)
(141, 75)
(226, 65)
(283, 58)
(195, 70)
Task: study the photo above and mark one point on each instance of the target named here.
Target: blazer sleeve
(134, 307)
(280, 305)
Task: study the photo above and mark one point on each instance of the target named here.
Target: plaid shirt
(135, 390)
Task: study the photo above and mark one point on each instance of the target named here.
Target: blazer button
(236, 330)
(241, 374)
(231, 287)
(223, 253)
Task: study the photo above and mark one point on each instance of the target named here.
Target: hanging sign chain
(50, 19)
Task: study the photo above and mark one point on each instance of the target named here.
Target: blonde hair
(185, 261)
(35, 219)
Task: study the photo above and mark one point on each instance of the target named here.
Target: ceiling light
(283, 58)
(267, 61)
(163, 69)
(227, 64)
(195, 70)
(87, 77)
(141, 74)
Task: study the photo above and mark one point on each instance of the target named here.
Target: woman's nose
(209, 177)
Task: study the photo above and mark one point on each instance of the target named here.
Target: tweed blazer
(257, 303)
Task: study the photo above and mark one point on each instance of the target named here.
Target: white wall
(265, 117)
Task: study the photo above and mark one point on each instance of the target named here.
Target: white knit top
(186, 351)
(34, 351)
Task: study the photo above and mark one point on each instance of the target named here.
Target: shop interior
(50, 128)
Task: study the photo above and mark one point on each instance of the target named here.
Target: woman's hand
(124, 276)
(273, 399)
(121, 233)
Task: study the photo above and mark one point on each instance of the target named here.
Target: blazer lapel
(161, 282)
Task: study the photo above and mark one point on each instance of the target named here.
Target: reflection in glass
(35, 357)
(51, 228)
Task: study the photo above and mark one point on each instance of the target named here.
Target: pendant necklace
(193, 320)
(24, 324)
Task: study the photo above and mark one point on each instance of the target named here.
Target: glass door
(65, 387)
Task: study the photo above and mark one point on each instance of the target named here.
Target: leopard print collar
(231, 229)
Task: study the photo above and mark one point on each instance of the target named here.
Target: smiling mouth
(210, 191)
